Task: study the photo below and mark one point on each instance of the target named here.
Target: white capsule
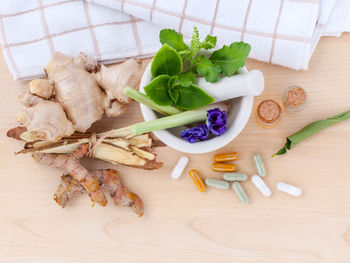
(179, 167)
(289, 189)
(261, 185)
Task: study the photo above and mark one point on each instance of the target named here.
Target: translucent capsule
(242, 195)
(197, 180)
(235, 177)
(223, 167)
(217, 183)
(289, 189)
(261, 185)
(225, 157)
(259, 165)
(179, 167)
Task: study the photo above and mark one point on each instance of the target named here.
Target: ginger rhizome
(76, 94)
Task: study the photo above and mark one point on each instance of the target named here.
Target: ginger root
(84, 91)
(109, 180)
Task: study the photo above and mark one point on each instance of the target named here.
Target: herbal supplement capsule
(242, 195)
(225, 157)
(289, 189)
(235, 177)
(179, 167)
(223, 167)
(261, 185)
(259, 165)
(217, 183)
(197, 180)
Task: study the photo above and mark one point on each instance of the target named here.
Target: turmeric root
(82, 89)
(110, 181)
(70, 163)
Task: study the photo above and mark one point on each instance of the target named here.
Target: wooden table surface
(180, 223)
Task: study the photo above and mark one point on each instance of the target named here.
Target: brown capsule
(223, 167)
(225, 157)
(198, 180)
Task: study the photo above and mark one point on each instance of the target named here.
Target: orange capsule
(223, 167)
(225, 157)
(198, 180)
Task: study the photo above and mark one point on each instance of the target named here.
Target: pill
(198, 180)
(242, 195)
(179, 167)
(223, 167)
(259, 165)
(235, 177)
(225, 157)
(289, 189)
(261, 185)
(217, 183)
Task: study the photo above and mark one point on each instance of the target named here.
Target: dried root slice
(70, 163)
(110, 181)
(68, 188)
(46, 121)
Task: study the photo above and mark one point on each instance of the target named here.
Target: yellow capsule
(198, 180)
(223, 167)
(225, 157)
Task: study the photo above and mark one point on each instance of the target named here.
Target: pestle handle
(243, 84)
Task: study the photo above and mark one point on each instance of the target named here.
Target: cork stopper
(269, 111)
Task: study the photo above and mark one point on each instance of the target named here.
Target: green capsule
(235, 177)
(242, 195)
(259, 165)
(217, 183)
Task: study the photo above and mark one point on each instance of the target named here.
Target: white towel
(283, 32)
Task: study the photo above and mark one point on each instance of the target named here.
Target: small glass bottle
(294, 97)
(268, 113)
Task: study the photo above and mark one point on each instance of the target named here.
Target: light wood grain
(180, 223)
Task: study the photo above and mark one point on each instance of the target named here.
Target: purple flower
(216, 121)
(199, 132)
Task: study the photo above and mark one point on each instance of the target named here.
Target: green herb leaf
(231, 58)
(208, 69)
(312, 129)
(157, 90)
(172, 81)
(187, 78)
(174, 94)
(191, 98)
(173, 39)
(166, 62)
(209, 42)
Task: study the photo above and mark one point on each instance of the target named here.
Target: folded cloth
(283, 32)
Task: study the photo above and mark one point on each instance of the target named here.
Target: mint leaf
(191, 98)
(231, 58)
(157, 90)
(174, 94)
(166, 62)
(172, 81)
(187, 78)
(209, 42)
(173, 39)
(208, 69)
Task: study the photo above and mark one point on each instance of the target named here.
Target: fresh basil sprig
(170, 85)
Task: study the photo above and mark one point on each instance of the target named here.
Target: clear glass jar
(268, 113)
(294, 97)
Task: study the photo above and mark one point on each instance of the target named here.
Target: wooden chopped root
(110, 181)
(70, 163)
(133, 152)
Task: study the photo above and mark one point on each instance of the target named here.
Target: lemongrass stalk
(142, 98)
(183, 118)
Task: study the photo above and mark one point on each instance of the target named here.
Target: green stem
(142, 98)
(183, 118)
